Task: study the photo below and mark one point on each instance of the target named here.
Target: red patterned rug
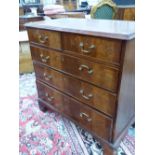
(51, 134)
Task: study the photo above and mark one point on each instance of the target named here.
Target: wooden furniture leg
(109, 150)
(42, 107)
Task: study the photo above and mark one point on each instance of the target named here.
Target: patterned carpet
(51, 134)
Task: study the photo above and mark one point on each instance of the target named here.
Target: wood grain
(97, 74)
(115, 29)
(126, 98)
(101, 100)
(90, 119)
(45, 38)
(108, 50)
(94, 89)
(25, 19)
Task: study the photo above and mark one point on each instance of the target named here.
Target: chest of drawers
(85, 71)
(25, 19)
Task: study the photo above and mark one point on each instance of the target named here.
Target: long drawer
(96, 97)
(92, 120)
(96, 73)
(51, 39)
(108, 50)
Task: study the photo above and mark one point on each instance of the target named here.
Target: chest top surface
(117, 29)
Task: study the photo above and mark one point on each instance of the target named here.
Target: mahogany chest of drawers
(85, 71)
(26, 18)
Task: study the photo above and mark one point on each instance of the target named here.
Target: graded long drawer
(46, 38)
(95, 73)
(92, 120)
(95, 97)
(104, 49)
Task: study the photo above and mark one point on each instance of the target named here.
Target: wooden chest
(25, 19)
(85, 70)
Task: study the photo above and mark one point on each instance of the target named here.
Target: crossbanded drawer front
(87, 93)
(90, 119)
(95, 73)
(104, 49)
(45, 38)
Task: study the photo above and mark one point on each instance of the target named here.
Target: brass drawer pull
(84, 50)
(90, 71)
(82, 114)
(88, 97)
(49, 98)
(43, 39)
(44, 58)
(47, 77)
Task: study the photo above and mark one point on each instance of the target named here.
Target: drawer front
(83, 115)
(95, 73)
(87, 93)
(46, 38)
(100, 48)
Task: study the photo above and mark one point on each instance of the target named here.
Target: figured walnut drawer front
(46, 38)
(85, 116)
(95, 73)
(100, 48)
(87, 93)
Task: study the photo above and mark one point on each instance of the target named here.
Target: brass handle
(84, 50)
(49, 98)
(44, 58)
(43, 39)
(82, 114)
(90, 71)
(47, 77)
(88, 97)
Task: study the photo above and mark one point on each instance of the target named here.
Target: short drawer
(46, 38)
(90, 119)
(93, 96)
(96, 73)
(108, 50)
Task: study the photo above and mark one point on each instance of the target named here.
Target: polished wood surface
(116, 29)
(25, 19)
(129, 14)
(98, 74)
(91, 47)
(45, 38)
(91, 83)
(82, 114)
(126, 98)
(125, 12)
(93, 96)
